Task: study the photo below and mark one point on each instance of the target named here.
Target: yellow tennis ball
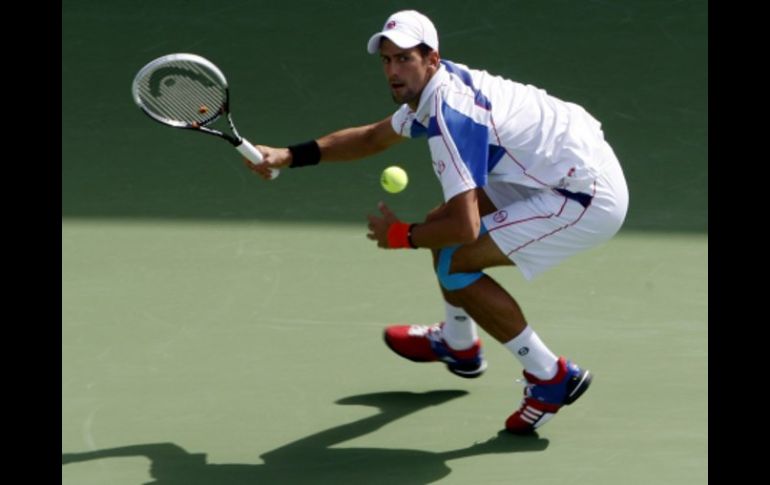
(394, 179)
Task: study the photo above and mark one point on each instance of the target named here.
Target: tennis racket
(187, 91)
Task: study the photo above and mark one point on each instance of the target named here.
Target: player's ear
(433, 60)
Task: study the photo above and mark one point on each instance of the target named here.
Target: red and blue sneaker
(420, 343)
(542, 399)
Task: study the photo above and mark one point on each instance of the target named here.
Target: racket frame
(235, 139)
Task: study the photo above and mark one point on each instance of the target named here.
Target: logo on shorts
(523, 351)
(390, 25)
(500, 216)
(439, 166)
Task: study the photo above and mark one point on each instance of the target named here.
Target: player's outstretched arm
(346, 144)
(358, 142)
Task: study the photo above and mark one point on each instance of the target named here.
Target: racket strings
(183, 91)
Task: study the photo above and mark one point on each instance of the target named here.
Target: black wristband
(304, 154)
(409, 236)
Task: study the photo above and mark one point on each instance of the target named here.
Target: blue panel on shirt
(465, 77)
(471, 139)
(433, 129)
(417, 130)
(495, 154)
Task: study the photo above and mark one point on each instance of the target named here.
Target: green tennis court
(217, 329)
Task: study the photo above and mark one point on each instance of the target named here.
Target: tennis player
(528, 180)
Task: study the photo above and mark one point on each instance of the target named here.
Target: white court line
(88, 425)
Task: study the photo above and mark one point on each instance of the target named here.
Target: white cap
(406, 29)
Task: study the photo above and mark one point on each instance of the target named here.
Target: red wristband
(398, 235)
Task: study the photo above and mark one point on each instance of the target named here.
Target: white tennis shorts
(538, 229)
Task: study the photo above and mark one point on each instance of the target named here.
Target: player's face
(407, 71)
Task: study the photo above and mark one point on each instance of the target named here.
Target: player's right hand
(378, 226)
(275, 158)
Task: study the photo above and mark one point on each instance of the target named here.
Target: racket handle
(250, 151)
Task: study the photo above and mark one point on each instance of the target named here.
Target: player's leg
(551, 381)
(459, 329)
(492, 307)
(455, 340)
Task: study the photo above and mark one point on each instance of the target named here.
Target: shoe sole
(469, 374)
(581, 387)
(458, 372)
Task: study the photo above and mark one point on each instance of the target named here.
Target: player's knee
(457, 282)
(453, 281)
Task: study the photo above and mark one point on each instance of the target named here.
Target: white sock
(536, 358)
(459, 328)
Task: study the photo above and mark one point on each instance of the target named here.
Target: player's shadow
(313, 460)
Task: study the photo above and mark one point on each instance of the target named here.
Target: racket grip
(250, 151)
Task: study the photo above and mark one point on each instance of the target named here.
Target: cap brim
(402, 40)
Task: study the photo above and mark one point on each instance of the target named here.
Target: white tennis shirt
(483, 128)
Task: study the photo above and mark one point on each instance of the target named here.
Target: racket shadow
(313, 460)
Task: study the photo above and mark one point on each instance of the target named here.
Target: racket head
(181, 90)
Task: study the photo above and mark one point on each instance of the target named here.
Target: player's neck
(415, 103)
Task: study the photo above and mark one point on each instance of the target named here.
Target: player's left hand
(378, 226)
